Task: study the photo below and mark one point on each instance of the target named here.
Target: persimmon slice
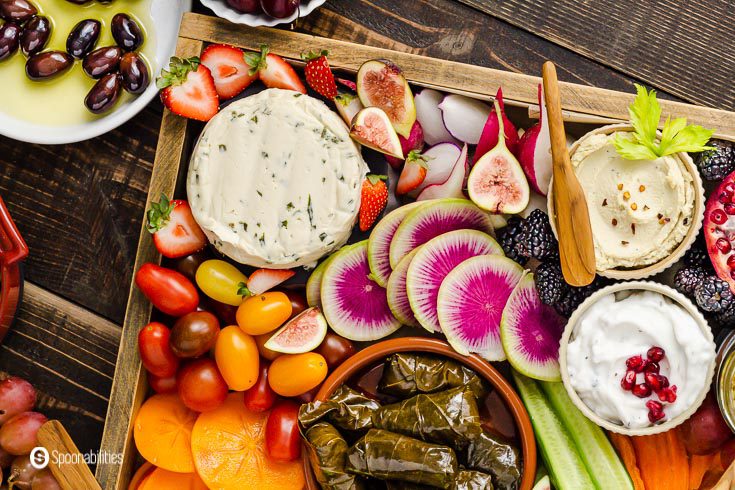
(161, 479)
(228, 444)
(162, 433)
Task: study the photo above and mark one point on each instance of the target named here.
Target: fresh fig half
(719, 229)
(382, 84)
(372, 128)
(497, 182)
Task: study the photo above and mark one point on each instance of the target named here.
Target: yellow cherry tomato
(264, 313)
(295, 374)
(220, 281)
(266, 353)
(236, 354)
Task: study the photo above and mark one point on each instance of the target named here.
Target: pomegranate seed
(652, 367)
(731, 261)
(667, 394)
(628, 380)
(642, 390)
(656, 353)
(664, 380)
(732, 273)
(723, 245)
(654, 405)
(730, 208)
(718, 217)
(729, 188)
(724, 197)
(653, 380)
(644, 366)
(635, 363)
(655, 415)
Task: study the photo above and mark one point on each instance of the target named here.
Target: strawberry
(273, 70)
(374, 195)
(230, 72)
(263, 280)
(174, 230)
(413, 173)
(187, 89)
(318, 74)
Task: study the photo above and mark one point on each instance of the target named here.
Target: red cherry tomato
(282, 438)
(261, 396)
(156, 354)
(168, 290)
(201, 386)
(162, 385)
(335, 349)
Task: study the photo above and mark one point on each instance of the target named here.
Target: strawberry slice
(230, 72)
(187, 89)
(263, 280)
(374, 195)
(413, 173)
(273, 70)
(318, 74)
(175, 233)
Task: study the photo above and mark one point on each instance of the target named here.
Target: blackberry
(718, 163)
(550, 282)
(508, 239)
(688, 278)
(698, 257)
(725, 318)
(536, 238)
(713, 295)
(575, 296)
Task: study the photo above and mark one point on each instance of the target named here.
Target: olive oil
(60, 101)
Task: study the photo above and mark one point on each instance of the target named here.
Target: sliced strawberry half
(187, 89)
(413, 173)
(274, 71)
(175, 232)
(263, 280)
(229, 70)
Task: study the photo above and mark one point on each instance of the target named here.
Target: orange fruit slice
(161, 479)
(229, 451)
(162, 433)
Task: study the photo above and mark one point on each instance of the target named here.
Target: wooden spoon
(570, 206)
(73, 474)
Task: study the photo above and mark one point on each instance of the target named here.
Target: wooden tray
(582, 104)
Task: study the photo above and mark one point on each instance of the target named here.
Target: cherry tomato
(194, 334)
(282, 438)
(168, 290)
(162, 385)
(201, 386)
(188, 265)
(335, 349)
(294, 374)
(221, 281)
(298, 301)
(156, 354)
(261, 396)
(237, 358)
(264, 313)
(309, 396)
(265, 352)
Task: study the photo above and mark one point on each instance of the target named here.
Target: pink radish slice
(490, 132)
(348, 83)
(396, 291)
(471, 301)
(415, 141)
(452, 187)
(430, 117)
(464, 117)
(440, 160)
(534, 151)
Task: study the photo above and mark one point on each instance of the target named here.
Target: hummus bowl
(625, 321)
(645, 215)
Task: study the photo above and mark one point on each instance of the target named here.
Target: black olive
(79, 2)
(17, 10)
(35, 35)
(126, 32)
(9, 39)
(102, 61)
(82, 38)
(47, 64)
(104, 94)
(134, 73)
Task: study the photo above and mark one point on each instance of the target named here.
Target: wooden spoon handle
(74, 474)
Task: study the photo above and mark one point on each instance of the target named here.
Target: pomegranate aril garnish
(653, 380)
(642, 390)
(635, 363)
(652, 367)
(723, 245)
(654, 405)
(655, 353)
(718, 217)
(667, 394)
(724, 197)
(664, 380)
(731, 261)
(628, 380)
(729, 188)
(655, 415)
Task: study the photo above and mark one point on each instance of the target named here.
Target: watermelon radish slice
(314, 284)
(471, 302)
(355, 306)
(379, 243)
(437, 217)
(303, 333)
(396, 291)
(434, 261)
(530, 332)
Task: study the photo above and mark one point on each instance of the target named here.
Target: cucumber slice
(562, 460)
(599, 456)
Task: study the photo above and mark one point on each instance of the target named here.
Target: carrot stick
(624, 447)
(662, 460)
(698, 467)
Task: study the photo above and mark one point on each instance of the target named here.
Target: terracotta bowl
(376, 354)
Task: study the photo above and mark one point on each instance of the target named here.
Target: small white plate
(166, 16)
(221, 9)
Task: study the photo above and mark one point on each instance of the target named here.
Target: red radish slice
(464, 117)
(534, 151)
(434, 261)
(440, 160)
(263, 280)
(379, 243)
(314, 284)
(347, 83)
(452, 187)
(430, 117)
(491, 131)
(471, 302)
(355, 306)
(530, 332)
(396, 291)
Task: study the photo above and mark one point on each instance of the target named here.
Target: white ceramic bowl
(166, 22)
(631, 286)
(221, 9)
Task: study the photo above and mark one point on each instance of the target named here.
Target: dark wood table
(80, 206)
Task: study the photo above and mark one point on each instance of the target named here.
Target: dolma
(491, 454)
(345, 408)
(406, 374)
(472, 480)
(449, 417)
(390, 456)
(327, 451)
